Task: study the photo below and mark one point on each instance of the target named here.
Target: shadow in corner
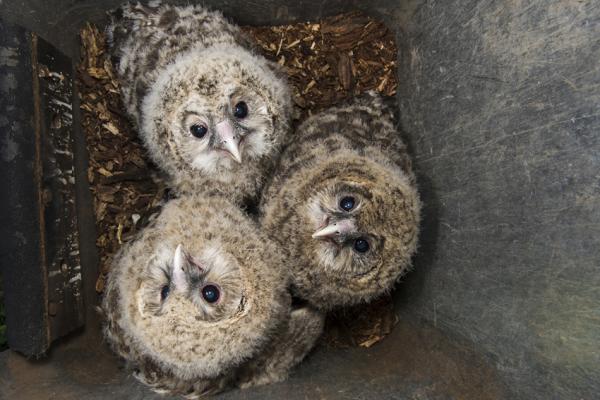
(412, 284)
(3, 342)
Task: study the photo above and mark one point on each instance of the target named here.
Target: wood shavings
(344, 55)
(111, 128)
(294, 43)
(125, 187)
(364, 325)
(345, 71)
(120, 233)
(104, 172)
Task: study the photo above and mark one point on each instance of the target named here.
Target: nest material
(125, 186)
(327, 62)
(331, 60)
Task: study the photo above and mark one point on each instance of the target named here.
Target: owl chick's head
(359, 230)
(215, 113)
(194, 296)
(211, 281)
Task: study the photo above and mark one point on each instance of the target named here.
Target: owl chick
(199, 296)
(212, 113)
(344, 205)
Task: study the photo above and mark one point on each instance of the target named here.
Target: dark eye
(198, 130)
(211, 293)
(361, 245)
(241, 110)
(164, 292)
(347, 203)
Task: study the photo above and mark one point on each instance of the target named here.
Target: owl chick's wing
(294, 343)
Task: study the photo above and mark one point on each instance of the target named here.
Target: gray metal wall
(501, 100)
(59, 21)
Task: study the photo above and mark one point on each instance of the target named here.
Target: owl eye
(347, 203)
(164, 292)
(241, 110)
(198, 130)
(361, 245)
(211, 293)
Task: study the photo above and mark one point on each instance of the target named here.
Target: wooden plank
(41, 269)
(65, 301)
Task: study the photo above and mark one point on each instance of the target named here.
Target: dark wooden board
(40, 264)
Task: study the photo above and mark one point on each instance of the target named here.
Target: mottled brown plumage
(353, 155)
(212, 112)
(163, 317)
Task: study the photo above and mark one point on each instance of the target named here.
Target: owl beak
(185, 268)
(228, 140)
(180, 261)
(338, 228)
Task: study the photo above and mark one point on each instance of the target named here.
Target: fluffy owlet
(199, 302)
(211, 111)
(344, 205)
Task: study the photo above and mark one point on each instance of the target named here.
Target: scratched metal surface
(499, 101)
(502, 104)
(416, 362)
(59, 21)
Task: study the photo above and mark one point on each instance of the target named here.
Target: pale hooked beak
(180, 261)
(184, 267)
(228, 140)
(338, 228)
